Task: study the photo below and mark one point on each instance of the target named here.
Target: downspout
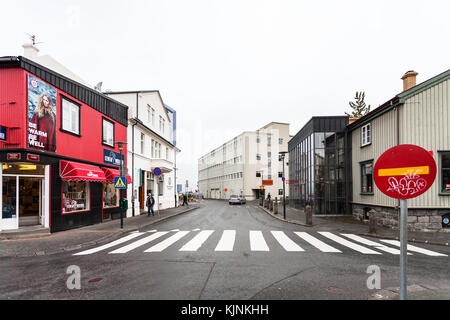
(132, 167)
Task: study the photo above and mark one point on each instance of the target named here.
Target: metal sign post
(403, 247)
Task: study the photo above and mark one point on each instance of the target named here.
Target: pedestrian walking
(268, 196)
(185, 200)
(150, 203)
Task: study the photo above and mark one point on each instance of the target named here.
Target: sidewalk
(79, 238)
(351, 225)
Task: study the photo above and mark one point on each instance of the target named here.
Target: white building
(239, 166)
(150, 145)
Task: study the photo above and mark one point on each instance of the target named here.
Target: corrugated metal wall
(13, 107)
(384, 136)
(426, 123)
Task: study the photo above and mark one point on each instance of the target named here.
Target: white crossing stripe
(109, 245)
(322, 246)
(416, 249)
(371, 243)
(285, 241)
(197, 241)
(257, 242)
(139, 243)
(168, 242)
(226, 242)
(348, 244)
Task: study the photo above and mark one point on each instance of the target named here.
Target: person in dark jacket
(185, 199)
(150, 203)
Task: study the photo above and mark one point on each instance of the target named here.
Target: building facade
(420, 115)
(151, 137)
(318, 166)
(244, 164)
(54, 134)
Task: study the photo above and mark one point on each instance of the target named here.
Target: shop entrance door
(30, 201)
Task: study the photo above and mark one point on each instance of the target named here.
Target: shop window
(110, 195)
(367, 177)
(70, 116)
(444, 160)
(160, 186)
(280, 192)
(75, 196)
(108, 132)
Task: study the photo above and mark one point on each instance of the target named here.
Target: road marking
(372, 243)
(257, 242)
(348, 244)
(168, 242)
(196, 229)
(175, 230)
(416, 249)
(285, 241)
(109, 245)
(226, 242)
(322, 246)
(139, 243)
(197, 241)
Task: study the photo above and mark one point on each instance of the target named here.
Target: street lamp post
(120, 144)
(282, 155)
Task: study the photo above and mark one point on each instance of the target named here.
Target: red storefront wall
(87, 147)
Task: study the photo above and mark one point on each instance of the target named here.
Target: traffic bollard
(372, 221)
(308, 214)
(275, 206)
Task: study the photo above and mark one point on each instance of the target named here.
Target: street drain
(95, 280)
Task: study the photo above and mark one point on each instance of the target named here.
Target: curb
(288, 221)
(410, 240)
(98, 241)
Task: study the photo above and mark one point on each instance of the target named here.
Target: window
(153, 116)
(149, 113)
(258, 156)
(444, 160)
(258, 173)
(108, 133)
(110, 196)
(280, 141)
(142, 142)
(366, 135)
(159, 150)
(75, 196)
(167, 153)
(280, 192)
(257, 139)
(70, 116)
(269, 141)
(153, 148)
(366, 177)
(280, 174)
(161, 124)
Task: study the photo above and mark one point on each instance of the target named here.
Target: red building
(58, 149)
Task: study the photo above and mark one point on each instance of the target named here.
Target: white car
(237, 199)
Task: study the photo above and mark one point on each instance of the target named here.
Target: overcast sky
(232, 66)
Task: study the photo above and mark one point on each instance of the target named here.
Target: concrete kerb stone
(281, 219)
(104, 239)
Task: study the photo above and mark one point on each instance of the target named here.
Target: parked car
(237, 199)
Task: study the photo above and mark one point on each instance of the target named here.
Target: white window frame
(366, 134)
(106, 135)
(142, 141)
(69, 109)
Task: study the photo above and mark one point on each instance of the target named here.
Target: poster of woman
(41, 115)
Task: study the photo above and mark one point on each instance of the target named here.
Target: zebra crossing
(326, 242)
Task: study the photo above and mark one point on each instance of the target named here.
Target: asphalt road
(207, 273)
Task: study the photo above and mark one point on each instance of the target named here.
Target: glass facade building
(319, 166)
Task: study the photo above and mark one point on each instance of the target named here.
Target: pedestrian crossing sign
(119, 182)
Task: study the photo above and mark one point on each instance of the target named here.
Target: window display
(110, 195)
(75, 196)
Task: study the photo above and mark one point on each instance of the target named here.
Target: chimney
(30, 51)
(409, 80)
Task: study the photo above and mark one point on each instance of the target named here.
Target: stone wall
(418, 219)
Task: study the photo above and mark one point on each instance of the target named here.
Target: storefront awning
(70, 170)
(111, 173)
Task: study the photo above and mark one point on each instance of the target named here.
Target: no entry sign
(405, 171)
